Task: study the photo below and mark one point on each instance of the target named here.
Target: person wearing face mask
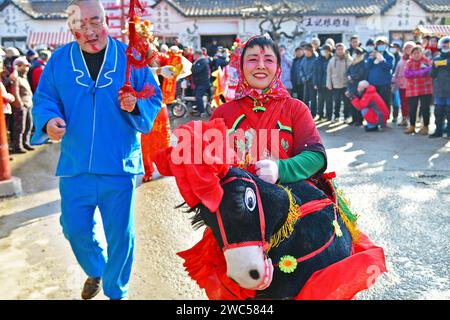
(78, 101)
(394, 49)
(379, 66)
(369, 47)
(325, 97)
(399, 81)
(440, 73)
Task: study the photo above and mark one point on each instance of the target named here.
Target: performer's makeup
(89, 28)
(260, 66)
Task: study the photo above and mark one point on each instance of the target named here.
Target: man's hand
(56, 129)
(379, 57)
(267, 170)
(127, 101)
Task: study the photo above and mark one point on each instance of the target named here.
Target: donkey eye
(250, 199)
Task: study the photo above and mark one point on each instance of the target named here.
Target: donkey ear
(162, 161)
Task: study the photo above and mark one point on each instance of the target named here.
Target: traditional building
(198, 22)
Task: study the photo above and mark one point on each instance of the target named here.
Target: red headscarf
(275, 90)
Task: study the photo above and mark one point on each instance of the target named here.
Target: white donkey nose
(247, 266)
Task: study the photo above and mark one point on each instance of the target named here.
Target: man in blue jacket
(77, 100)
(306, 76)
(380, 64)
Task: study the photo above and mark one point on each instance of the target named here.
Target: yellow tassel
(337, 228)
(351, 226)
(288, 226)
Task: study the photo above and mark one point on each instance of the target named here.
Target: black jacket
(441, 77)
(357, 72)
(320, 72)
(295, 71)
(201, 72)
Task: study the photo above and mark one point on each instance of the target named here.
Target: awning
(433, 30)
(49, 38)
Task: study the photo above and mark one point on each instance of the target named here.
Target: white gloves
(267, 170)
(167, 72)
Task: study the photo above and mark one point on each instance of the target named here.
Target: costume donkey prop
(268, 241)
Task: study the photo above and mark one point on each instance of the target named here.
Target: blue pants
(114, 196)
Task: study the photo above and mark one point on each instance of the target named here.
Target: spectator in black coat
(306, 76)
(356, 72)
(297, 83)
(320, 83)
(201, 79)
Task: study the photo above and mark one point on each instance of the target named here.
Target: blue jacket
(295, 71)
(100, 138)
(306, 68)
(380, 74)
(201, 72)
(320, 72)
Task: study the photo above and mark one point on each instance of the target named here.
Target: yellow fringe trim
(352, 226)
(288, 226)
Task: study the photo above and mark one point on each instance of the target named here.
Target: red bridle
(263, 243)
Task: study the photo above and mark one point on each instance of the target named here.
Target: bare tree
(272, 16)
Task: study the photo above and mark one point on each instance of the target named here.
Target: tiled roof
(435, 6)
(40, 9)
(223, 8)
(55, 9)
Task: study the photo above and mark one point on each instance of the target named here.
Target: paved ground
(400, 185)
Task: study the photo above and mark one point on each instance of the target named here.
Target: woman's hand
(267, 170)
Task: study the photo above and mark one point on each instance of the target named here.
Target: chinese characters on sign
(161, 19)
(319, 23)
(404, 12)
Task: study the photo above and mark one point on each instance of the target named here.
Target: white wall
(15, 23)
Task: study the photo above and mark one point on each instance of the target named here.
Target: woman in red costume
(294, 152)
(294, 149)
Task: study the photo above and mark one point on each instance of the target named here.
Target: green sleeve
(300, 167)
